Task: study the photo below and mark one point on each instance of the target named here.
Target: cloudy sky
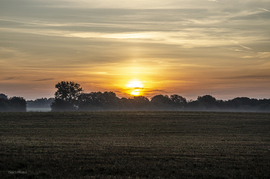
(185, 47)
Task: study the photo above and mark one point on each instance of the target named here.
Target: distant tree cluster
(40, 103)
(209, 103)
(69, 97)
(14, 104)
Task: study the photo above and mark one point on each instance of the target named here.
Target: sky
(185, 47)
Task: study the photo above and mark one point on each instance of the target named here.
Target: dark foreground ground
(135, 145)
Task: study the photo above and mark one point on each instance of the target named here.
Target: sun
(135, 87)
(135, 92)
(134, 84)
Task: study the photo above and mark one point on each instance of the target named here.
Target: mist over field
(163, 103)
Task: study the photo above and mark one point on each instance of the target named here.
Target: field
(134, 145)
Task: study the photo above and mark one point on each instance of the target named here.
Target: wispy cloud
(45, 79)
(244, 47)
(181, 38)
(251, 77)
(266, 10)
(258, 55)
(11, 78)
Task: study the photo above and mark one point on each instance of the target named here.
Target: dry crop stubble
(135, 144)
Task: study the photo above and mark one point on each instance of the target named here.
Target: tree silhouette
(90, 101)
(40, 103)
(126, 104)
(207, 102)
(67, 91)
(14, 104)
(141, 103)
(161, 102)
(66, 96)
(110, 100)
(179, 102)
(3, 96)
(4, 105)
(98, 101)
(18, 104)
(61, 105)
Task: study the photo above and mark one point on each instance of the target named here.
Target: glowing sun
(135, 84)
(135, 87)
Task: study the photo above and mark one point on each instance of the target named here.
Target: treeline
(14, 104)
(69, 97)
(40, 103)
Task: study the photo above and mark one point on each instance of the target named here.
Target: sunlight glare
(135, 84)
(135, 87)
(135, 92)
